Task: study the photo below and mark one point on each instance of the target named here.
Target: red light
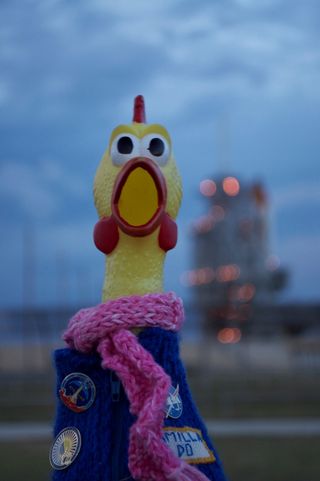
(246, 292)
(204, 224)
(231, 186)
(193, 278)
(208, 274)
(228, 273)
(208, 187)
(197, 277)
(229, 335)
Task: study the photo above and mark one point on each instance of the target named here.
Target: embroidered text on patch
(188, 444)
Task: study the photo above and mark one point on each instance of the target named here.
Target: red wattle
(168, 234)
(106, 234)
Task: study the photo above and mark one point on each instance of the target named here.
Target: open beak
(139, 197)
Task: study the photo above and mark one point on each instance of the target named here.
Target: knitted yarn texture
(106, 329)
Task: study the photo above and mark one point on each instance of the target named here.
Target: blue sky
(68, 73)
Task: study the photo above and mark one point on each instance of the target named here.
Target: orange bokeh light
(229, 335)
(208, 187)
(204, 224)
(228, 273)
(246, 292)
(231, 186)
(197, 277)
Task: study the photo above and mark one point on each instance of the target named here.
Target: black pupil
(125, 145)
(156, 147)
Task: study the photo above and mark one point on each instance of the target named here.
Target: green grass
(15, 413)
(217, 396)
(272, 459)
(256, 395)
(25, 461)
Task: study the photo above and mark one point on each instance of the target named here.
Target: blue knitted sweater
(104, 426)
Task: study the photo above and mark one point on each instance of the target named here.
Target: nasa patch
(188, 444)
(65, 448)
(77, 392)
(173, 408)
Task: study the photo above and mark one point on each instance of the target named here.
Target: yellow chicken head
(137, 186)
(137, 193)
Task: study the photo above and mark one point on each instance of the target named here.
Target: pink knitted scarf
(106, 329)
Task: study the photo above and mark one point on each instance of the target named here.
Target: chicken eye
(156, 147)
(125, 145)
(123, 148)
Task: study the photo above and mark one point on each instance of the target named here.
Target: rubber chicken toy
(124, 408)
(137, 195)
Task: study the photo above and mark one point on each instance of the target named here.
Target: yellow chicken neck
(134, 268)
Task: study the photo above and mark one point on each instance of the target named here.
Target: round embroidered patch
(77, 392)
(174, 406)
(65, 448)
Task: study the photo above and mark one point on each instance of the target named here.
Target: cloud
(36, 189)
(63, 258)
(20, 185)
(73, 239)
(4, 92)
(207, 52)
(297, 194)
(69, 72)
(207, 57)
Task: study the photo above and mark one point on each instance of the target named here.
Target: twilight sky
(245, 71)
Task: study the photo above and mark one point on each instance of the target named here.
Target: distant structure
(233, 267)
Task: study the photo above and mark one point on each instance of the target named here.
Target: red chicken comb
(139, 114)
